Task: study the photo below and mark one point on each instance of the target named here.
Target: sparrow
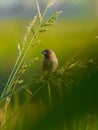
(50, 61)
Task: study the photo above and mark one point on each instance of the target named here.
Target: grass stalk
(16, 68)
(49, 94)
(10, 85)
(4, 112)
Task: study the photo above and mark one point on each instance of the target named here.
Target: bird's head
(48, 53)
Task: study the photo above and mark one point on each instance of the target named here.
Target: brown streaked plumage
(50, 62)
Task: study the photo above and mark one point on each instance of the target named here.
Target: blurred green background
(70, 33)
(66, 38)
(73, 30)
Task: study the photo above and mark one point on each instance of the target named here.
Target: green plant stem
(3, 121)
(50, 96)
(14, 73)
(15, 91)
(13, 70)
(16, 68)
(13, 76)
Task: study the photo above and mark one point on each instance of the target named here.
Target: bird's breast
(50, 64)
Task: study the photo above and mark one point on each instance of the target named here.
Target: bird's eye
(44, 52)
